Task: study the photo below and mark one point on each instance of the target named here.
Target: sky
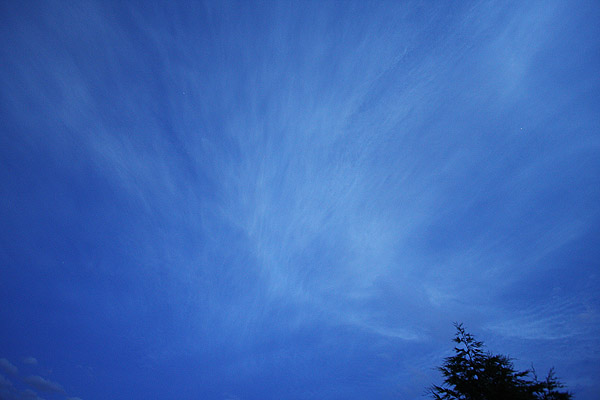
(295, 200)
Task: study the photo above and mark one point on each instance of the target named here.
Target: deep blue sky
(295, 200)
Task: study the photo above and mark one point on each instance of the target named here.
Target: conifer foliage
(474, 374)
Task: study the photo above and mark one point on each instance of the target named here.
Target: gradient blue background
(295, 200)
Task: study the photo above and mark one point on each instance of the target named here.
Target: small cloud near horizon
(8, 367)
(43, 385)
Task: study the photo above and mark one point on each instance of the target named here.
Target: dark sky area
(263, 200)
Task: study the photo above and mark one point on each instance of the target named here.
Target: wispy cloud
(296, 169)
(560, 318)
(43, 385)
(9, 392)
(328, 180)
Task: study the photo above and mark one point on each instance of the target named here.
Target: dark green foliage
(473, 374)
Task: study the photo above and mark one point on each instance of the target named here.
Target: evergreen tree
(473, 374)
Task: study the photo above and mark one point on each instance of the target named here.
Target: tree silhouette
(473, 374)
